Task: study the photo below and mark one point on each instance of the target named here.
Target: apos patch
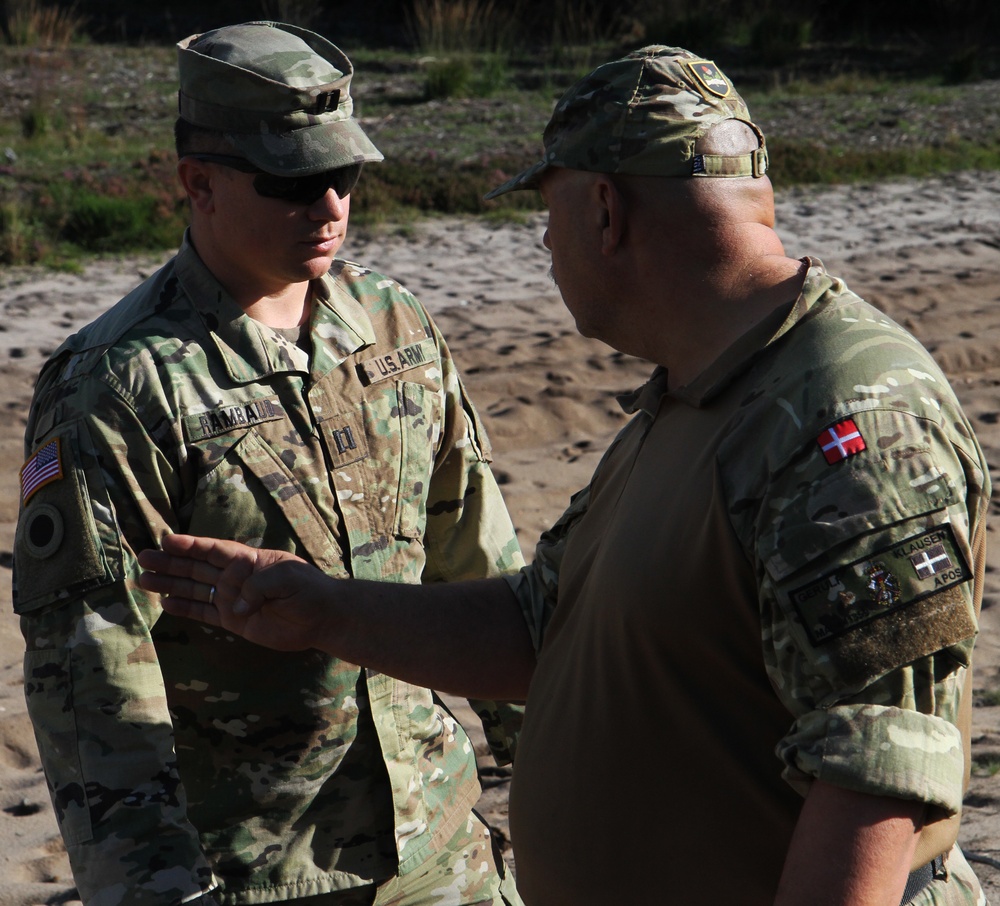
(873, 587)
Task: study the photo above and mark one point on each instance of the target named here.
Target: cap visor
(312, 149)
(529, 179)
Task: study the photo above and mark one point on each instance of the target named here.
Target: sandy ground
(926, 252)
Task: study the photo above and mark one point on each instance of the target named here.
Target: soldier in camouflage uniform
(255, 388)
(782, 553)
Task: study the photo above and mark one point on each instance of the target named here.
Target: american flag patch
(842, 440)
(43, 467)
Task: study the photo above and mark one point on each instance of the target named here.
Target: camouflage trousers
(466, 871)
(960, 888)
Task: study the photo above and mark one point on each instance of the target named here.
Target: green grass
(797, 163)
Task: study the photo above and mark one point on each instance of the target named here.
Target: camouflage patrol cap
(279, 93)
(642, 115)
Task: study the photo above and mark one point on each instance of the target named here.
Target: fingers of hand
(218, 552)
(163, 562)
(165, 580)
(206, 592)
(195, 610)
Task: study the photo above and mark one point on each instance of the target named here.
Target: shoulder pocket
(60, 548)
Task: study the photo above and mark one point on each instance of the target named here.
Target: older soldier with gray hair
(781, 554)
(258, 389)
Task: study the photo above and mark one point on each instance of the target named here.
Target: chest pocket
(382, 456)
(252, 477)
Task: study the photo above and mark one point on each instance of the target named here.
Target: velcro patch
(887, 581)
(383, 367)
(908, 605)
(42, 468)
(231, 417)
(59, 548)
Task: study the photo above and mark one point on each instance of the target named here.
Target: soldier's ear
(612, 211)
(196, 177)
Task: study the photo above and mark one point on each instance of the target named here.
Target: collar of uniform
(738, 357)
(647, 397)
(249, 349)
(748, 348)
(339, 320)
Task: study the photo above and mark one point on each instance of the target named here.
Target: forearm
(465, 638)
(849, 849)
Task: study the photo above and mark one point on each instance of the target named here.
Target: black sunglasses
(295, 189)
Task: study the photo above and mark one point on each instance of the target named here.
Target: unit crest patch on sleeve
(891, 607)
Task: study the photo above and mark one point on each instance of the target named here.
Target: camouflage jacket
(781, 556)
(178, 756)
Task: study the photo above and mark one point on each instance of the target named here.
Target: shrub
(34, 122)
(447, 78)
(29, 24)
(100, 223)
(697, 31)
(576, 33)
(21, 240)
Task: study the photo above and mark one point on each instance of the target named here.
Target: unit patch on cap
(840, 441)
(44, 467)
(708, 76)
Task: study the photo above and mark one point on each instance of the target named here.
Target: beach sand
(926, 252)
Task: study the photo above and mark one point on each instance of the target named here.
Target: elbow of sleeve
(882, 751)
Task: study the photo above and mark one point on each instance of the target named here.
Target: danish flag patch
(840, 441)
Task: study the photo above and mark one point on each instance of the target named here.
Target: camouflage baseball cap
(642, 115)
(279, 93)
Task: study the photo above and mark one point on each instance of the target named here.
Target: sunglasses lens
(307, 189)
(345, 179)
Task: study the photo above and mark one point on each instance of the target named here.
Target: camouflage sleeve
(536, 586)
(867, 610)
(93, 683)
(469, 533)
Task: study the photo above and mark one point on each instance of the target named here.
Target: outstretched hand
(269, 597)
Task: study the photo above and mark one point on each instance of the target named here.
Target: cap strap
(240, 119)
(754, 164)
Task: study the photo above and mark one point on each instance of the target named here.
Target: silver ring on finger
(211, 595)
